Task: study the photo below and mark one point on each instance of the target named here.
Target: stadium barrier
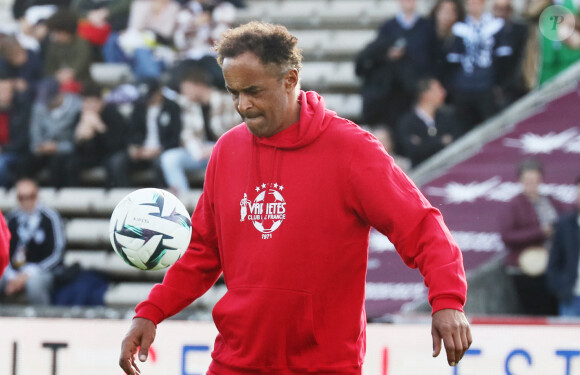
(510, 347)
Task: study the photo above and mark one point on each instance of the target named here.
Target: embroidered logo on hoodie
(268, 209)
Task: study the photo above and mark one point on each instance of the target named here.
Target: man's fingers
(128, 365)
(458, 347)
(449, 343)
(137, 371)
(146, 342)
(436, 343)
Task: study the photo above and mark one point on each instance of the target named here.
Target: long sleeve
(58, 241)
(193, 274)
(385, 198)
(4, 244)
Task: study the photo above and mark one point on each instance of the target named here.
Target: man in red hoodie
(289, 198)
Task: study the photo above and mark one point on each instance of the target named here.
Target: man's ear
(291, 79)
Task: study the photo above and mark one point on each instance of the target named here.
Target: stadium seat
(111, 74)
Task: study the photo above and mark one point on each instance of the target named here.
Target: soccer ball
(150, 229)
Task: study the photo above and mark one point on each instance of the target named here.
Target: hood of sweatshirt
(314, 120)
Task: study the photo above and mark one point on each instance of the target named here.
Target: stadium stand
(330, 32)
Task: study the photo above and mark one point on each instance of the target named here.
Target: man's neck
(428, 108)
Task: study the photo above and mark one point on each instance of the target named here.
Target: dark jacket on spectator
(168, 124)
(45, 244)
(383, 78)
(475, 52)
(103, 145)
(30, 71)
(77, 55)
(562, 272)
(19, 130)
(412, 127)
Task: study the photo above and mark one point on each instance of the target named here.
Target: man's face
(27, 193)
(502, 9)
(61, 37)
(475, 8)
(262, 96)
(191, 90)
(408, 6)
(436, 94)
(531, 180)
(6, 94)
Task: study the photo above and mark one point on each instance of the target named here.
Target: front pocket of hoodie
(265, 328)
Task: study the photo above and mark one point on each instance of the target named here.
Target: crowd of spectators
(59, 119)
(482, 54)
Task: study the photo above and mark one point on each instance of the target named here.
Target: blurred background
(477, 100)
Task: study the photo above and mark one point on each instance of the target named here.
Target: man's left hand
(452, 327)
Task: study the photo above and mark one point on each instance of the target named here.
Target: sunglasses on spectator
(26, 197)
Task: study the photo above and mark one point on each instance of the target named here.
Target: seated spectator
(208, 113)
(478, 45)
(403, 52)
(14, 132)
(68, 56)
(4, 245)
(429, 127)
(564, 261)
(444, 15)
(510, 77)
(22, 65)
(527, 227)
(101, 131)
(114, 13)
(54, 117)
(143, 45)
(36, 247)
(155, 126)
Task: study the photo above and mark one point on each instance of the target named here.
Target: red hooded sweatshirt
(287, 219)
(4, 244)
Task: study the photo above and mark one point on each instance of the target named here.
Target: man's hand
(451, 326)
(141, 334)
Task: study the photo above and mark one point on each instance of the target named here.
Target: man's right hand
(140, 335)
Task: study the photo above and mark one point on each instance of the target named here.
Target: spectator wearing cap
(14, 131)
(21, 8)
(54, 117)
(101, 131)
(68, 56)
(155, 126)
(32, 32)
